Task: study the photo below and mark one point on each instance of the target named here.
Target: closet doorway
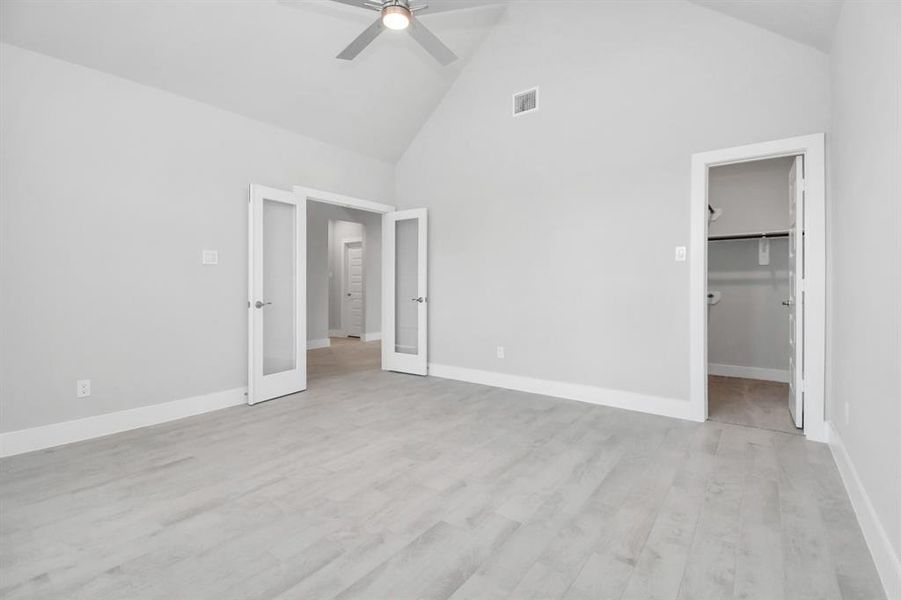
(752, 268)
(758, 286)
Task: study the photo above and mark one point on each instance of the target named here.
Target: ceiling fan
(399, 15)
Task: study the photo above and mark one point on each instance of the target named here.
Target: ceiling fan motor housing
(396, 15)
(398, 12)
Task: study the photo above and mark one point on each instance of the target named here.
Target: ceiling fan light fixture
(396, 17)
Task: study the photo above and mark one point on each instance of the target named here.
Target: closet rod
(747, 236)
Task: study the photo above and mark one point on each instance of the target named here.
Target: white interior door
(352, 289)
(405, 297)
(795, 301)
(277, 295)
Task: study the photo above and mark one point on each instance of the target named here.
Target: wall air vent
(525, 102)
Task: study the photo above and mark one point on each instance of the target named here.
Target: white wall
(753, 196)
(864, 350)
(553, 233)
(110, 190)
(748, 328)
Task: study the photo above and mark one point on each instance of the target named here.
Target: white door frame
(307, 193)
(344, 243)
(813, 149)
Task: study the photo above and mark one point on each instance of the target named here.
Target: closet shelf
(748, 236)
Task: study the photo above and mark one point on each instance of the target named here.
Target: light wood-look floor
(750, 402)
(345, 355)
(376, 485)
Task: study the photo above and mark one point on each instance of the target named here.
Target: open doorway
(798, 290)
(288, 289)
(347, 300)
(343, 290)
(750, 267)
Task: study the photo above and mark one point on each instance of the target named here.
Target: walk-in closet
(752, 259)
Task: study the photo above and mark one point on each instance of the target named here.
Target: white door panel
(352, 295)
(795, 302)
(404, 291)
(277, 295)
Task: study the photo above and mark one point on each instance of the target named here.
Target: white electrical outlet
(82, 388)
(500, 352)
(680, 253)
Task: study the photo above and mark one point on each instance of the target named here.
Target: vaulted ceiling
(267, 60)
(810, 22)
(273, 60)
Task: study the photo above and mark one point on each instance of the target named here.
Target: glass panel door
(277, 293)
(406, 300)
(279, 287)
(405, 269)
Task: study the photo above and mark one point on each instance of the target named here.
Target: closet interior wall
(748, 325)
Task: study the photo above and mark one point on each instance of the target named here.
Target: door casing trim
(813, 148)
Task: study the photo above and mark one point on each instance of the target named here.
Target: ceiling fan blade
(370, 4)
(359, 4)
(432, 44)
(363, 40)
(438, 6)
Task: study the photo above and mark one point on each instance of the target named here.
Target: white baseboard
(372, 336)
(57, 434)
(780, 375)
(314, 344)
(656, 405)
(888, 563)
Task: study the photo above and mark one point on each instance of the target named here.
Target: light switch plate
(210, 257)
(680, 253)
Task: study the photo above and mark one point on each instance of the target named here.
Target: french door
(405, 298)
(277, 363)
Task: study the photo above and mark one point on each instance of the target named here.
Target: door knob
(787, 303)
(420, 299)
(259, 304)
